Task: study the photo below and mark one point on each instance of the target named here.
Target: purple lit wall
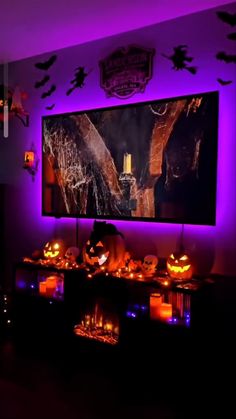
(212, 247)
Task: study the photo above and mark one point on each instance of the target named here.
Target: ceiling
(32, 27)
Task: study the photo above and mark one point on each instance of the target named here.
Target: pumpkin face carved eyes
(96, 253)
(179, 266)
(53, 249)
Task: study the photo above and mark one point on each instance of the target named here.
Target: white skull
(149, 264)
(72, 253)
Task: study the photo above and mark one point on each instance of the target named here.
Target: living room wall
(212, 247)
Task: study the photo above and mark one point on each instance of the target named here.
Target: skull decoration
(54, 249)
(149, 265)
(71, 254)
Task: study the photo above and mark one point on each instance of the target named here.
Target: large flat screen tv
(153, 161)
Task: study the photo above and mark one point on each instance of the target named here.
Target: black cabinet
(104, 309)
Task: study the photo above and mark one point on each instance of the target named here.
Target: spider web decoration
(68, 154)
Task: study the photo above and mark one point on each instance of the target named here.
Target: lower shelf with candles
(101, 307)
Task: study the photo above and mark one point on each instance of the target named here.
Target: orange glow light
(165, 311)
(29, 159)
(42, 287)
(178, 269)
(155, 303)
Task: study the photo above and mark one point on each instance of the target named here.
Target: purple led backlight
(157, 238)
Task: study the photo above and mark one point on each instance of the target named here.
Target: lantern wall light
(31, 161)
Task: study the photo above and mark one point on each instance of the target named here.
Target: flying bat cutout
(42, 82)
(180, 59)
(46, 64)
(227, 58)
(224, 82)
(49, 108)
(49, 92)
(227, 18)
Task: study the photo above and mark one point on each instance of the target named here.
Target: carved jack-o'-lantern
(105, 247)
(96, 253)
(179, 266)
(54, 249)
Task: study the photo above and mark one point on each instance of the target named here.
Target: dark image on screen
(152, 161)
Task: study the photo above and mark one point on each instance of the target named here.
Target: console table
(105, 309)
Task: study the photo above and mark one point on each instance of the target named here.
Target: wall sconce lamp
(31, 161)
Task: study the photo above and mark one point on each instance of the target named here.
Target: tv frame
(130, 218)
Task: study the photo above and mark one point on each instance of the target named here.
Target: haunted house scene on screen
(151, 161)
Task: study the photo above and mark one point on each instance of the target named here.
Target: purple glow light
(153, 237)
(20, 284)
(80, 22)
(131, 314)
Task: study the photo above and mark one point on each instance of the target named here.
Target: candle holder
(128, 183)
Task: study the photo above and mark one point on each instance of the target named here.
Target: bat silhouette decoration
(227, 58)
(49, 108)
(224, 82)
(78, 81)
(49, 92)
(232, 36)
(227, 18)
(42, 82)
(180, 59)
(46, 64)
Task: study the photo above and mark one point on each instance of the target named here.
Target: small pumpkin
(179, 266)
(54, 249)
(105, 247)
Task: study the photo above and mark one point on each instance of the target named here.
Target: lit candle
(127, 163)
(108, 326)
(42, 287)
(155, 304)
(165, 311)
(51, 284)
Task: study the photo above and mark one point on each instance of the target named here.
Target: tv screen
(152, 161)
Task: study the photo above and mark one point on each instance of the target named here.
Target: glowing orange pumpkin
(108, 252)
(179, 266)
(106, 247)
(54, 249)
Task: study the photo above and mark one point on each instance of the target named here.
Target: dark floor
(160, 374)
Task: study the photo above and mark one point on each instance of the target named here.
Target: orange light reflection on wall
(29, 159)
